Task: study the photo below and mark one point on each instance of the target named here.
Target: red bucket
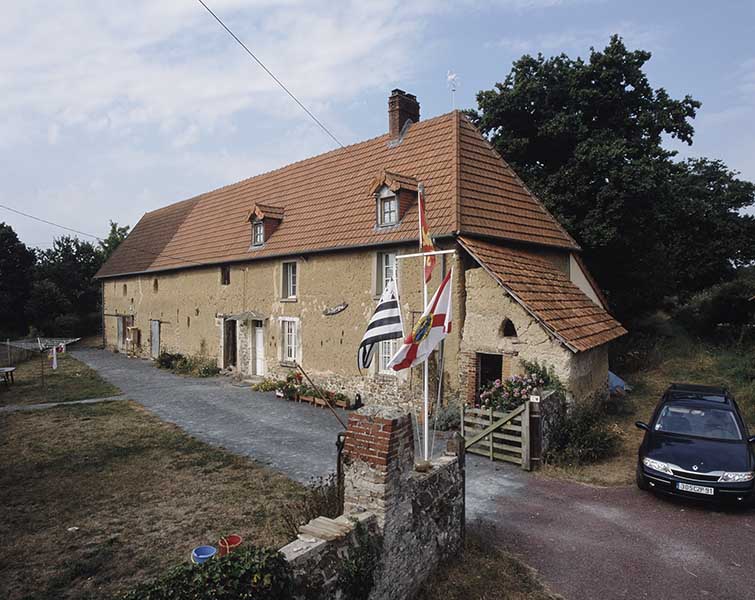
(229, 543)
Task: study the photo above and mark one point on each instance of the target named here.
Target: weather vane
(452, 79)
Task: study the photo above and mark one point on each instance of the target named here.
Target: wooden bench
(7, 374)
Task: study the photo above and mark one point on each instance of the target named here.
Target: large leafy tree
(64, 285)
(113, 240)
(587, 137)
(16, 262)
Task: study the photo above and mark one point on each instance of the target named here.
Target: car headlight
(657, 465)
(737, 477)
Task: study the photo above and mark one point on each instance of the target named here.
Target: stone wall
(583, 373)
(418, 517)
(190, 305)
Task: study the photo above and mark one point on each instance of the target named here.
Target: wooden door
(259, 348)
(154, 338)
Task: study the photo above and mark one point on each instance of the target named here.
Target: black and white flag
(385, 324)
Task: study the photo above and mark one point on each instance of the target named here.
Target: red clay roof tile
(547, 294)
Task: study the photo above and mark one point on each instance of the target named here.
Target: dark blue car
(697, 446)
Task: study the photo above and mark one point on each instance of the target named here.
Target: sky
(112, 109)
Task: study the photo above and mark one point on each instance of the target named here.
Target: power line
(98, 238)
(269, 72)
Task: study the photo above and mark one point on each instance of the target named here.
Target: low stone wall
(416, 519)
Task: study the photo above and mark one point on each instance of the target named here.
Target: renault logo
(694, 467)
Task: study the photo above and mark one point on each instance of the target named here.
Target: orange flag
(425, 242)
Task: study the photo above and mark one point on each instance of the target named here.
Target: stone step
(325, 529)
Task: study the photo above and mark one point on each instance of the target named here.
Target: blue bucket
(202, 553)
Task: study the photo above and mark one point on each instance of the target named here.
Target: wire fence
(12, 356)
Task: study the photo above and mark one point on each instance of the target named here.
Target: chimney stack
(402, 107)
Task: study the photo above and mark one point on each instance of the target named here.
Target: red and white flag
(425, 241)
(433, 326)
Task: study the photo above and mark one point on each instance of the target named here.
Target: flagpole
(426, 377)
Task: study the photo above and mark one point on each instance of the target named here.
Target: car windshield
(712, 423)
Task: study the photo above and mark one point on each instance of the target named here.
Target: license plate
(695, 489)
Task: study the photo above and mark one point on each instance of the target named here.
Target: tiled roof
(327, 203)
(547, 294)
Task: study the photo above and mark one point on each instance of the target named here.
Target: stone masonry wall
(418, 517)
(583, 373)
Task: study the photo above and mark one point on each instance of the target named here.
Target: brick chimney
(402, 107)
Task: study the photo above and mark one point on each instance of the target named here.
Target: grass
(679, 358)
(99, 497)
(485, 573)
(72, 380)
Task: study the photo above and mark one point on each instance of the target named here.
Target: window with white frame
(289, 280)
(386, 270)
(388, 210)
(387, 349)
(258, 233)
(289, 341)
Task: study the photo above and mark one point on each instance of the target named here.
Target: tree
(64, 283)
(113, 240)
(16, 262)
(586, 137)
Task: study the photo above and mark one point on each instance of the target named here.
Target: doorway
(123, 323)
(229, 344)
(490, 369)
(258, 353)
(154, 338)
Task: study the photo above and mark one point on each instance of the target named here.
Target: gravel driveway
(586, 542)
(297, 440)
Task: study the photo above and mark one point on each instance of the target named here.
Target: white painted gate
(154, 338)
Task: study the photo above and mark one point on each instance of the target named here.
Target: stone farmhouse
(286, 266)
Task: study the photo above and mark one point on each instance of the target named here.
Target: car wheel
(642, 481)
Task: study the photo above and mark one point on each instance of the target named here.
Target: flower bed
(294, 388)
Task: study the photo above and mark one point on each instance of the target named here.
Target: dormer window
(387, 209)
(258, 233)
(394, 195)
(265, 219)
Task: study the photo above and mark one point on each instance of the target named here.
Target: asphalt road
(586, 542)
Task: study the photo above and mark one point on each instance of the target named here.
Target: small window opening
(289, 280)
(188, 322)
(388, 210)
(258, 233)
(508, 329)
(155, 285)
(225, 275)
(125, 290)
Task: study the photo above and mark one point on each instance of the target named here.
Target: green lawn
(72, 380)
(676, 359)
(99, 497)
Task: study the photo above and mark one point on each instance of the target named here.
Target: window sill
(285, 363)
(292, 299)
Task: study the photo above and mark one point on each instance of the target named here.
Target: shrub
(578, 434)
(196, 366)
(509, 393)
(266, 385)
(356, 575)
(545, 375)
(248, 573)
(723, 308)
(448, 418)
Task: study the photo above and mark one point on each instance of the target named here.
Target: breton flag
(385, 324)
(433, 326)
(425, 241)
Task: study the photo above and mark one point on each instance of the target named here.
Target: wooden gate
(499, 435)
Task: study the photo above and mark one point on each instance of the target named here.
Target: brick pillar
(378, 459)
(470, 369)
